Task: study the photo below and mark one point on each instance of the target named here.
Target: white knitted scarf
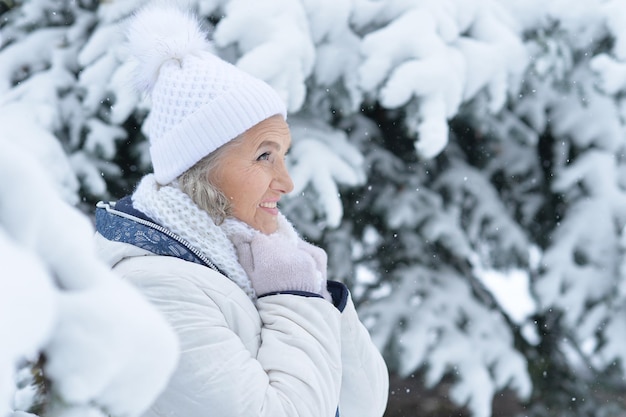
(175, 210)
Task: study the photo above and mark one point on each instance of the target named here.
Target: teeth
(268, 205)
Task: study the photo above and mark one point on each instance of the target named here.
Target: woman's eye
(264, 156)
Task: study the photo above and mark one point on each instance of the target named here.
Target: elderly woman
(262, 332)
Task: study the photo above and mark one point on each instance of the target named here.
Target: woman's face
(252, 173)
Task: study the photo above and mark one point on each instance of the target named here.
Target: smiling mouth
(268, 204)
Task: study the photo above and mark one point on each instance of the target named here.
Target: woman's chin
(267, 227)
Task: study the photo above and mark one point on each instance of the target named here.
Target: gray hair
(196, 184)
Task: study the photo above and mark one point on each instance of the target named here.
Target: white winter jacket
(288, 355)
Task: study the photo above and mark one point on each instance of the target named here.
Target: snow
(32, 299)
(614, 12)
(101, 69)
(268, 33)
(29, 123)
(99, 44)
(611, 73)
(121, 349)
(518, 68)
(441, 59)
(323, 158)
(106, 347)
(32, 52)
(512, 291)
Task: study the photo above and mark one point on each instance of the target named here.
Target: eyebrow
(271, 144)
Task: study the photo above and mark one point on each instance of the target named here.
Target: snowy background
(462, 161)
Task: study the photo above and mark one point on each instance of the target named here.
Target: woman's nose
(283, 182)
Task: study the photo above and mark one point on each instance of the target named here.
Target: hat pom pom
(157, 34)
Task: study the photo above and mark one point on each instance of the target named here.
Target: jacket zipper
(163, 230)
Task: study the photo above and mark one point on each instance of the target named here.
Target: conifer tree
(434, 142)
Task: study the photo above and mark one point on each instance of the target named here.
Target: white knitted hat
(199, 101)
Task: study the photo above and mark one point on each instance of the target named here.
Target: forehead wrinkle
(270, 143)
(270, 133)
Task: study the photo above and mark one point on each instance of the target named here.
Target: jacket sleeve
(297, 369)
(365, 379)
